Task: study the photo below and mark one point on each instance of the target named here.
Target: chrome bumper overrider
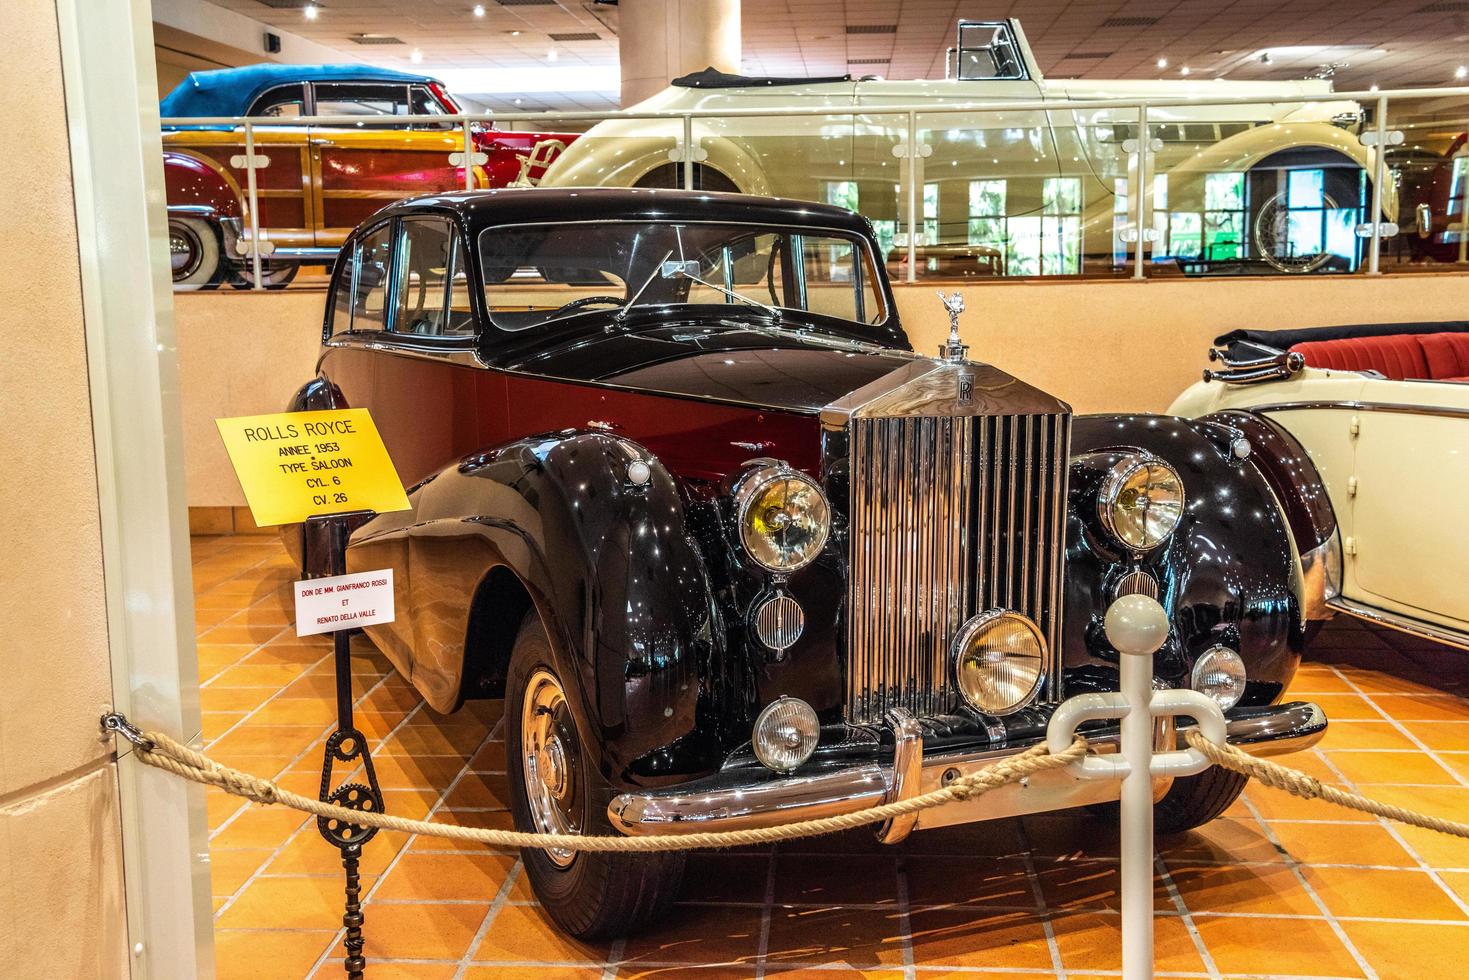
(748, 797)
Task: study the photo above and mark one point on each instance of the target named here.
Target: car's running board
(1403, 624)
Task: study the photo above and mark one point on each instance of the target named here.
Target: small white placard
(344, 601)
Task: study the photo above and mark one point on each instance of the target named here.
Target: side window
(839, 280)
(342, 295)
(283, 101)
(370, 280)
(361, 99)
(432, 291)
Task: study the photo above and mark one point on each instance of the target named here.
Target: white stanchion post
(1137, 630)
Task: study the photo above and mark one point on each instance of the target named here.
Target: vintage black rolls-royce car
(734, 554)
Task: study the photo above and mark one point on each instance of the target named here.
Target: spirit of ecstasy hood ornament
(954, 349)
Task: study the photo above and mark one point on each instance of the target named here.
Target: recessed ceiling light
(515, 34)
(1462, 71)
(551, 55)
(309, 11)
(479, 10)
(416, 56)
(1372, 87)
(1162, 62)
(1184, 70)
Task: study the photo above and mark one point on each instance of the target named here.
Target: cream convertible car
(1383, 413)
(1264, 187)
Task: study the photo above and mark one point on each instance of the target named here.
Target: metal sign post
(346, 745)
(1136, 626)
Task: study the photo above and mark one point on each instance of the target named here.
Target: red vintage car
(314, 184)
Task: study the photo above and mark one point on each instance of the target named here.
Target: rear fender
(196, 185)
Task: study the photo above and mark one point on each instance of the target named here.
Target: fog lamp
(999, 659)
(1220, 673)
(785, 734)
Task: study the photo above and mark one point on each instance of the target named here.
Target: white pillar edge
(132, 362)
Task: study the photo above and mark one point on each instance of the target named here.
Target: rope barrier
(163, 752)
(1297, 783)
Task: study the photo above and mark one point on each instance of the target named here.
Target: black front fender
(1225, 575)
(619, 583)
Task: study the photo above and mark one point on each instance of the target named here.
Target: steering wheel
(577, 304)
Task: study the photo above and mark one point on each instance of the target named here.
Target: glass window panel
(432, 290)
(1185, 234)
(370, 292)
(1305, 232)
(1061, 195)
(342, 297)
(359, 99)
(1305, 188)
(986, 198)
(1023, 257)
(1224, 192)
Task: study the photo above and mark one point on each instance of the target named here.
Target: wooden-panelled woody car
(314, 185)
(734, 554)
(1268, 186)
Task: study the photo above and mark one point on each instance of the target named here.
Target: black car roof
(517, 205)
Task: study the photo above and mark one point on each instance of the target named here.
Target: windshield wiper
(621, 314)
(772, 310)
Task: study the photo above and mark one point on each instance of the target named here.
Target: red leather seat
(1447, 355)
(1396, 356)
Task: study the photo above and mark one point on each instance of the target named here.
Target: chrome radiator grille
(950, 516)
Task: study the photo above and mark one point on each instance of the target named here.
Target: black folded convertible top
(1285, 339)
(714, 78)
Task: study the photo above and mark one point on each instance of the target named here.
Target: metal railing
(1439, 171)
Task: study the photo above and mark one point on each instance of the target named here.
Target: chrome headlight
(1141, 501)
(783, 518)
(998, 661)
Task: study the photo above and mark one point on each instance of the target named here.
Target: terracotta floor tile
(968, 881)
(1413, 707)
(308, 853)
(1079, 884)
(286, 903)
(978, 938)
(846, 937)
(533, 973)
(693, 972)
(257, 675)
(479, 791)
(253, 739)
(1457, 882)
(259, 826)
(249, 954)
(1249, 945)
(519, 933)
(1310, 681)
(1439, 850)
(700, 934)
(216, 723)
(379, 970)
(1356, 844)
(1373, 893)
(425, 771)
(240, 634)
(1367, 768)
(1343, 734)
(1268, 888)
(427, 931)
(836, 879)
(430, 739)
(1450, 736)
(228, 870)
(446, 877)
(1093, 941)
(1274, 804)
(1223, 839)
(233, 698)
(1071, 835)
(1404, 950)
(490, 757)
(220, 805)
(281, 652)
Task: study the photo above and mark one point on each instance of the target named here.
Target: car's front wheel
(554, 788)
(1189, 802)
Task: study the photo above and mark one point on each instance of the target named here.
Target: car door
(357, 169)
(1409, 549)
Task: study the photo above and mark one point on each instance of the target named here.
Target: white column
(659, 40)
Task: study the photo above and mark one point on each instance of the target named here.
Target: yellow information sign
(296, 465)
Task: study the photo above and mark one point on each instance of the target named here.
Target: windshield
(538, 274)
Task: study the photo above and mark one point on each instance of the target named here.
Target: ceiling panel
(1359, 42)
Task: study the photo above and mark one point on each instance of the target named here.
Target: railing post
(1379, 173)
(688, 152)
(1136, 816)
(254, 201)
(912, 196)
(1140, 192)
(468, 158)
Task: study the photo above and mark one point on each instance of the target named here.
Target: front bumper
(746, 797)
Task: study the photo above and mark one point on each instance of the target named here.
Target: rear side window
(361, 99)
(360, 294)
(432, 287)
(283, 101)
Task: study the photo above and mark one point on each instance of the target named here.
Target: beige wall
(1102, 346)
(61, 904)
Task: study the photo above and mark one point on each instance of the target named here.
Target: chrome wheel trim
(548, 766)
(1269, 233)
(185, 250)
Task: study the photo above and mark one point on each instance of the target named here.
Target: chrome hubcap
(548, 759)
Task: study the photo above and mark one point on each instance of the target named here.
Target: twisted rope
(162, 752)
(1307, 787)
